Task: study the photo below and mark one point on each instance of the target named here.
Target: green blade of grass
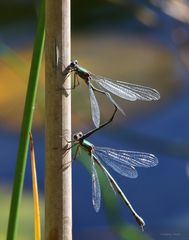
(26, 125)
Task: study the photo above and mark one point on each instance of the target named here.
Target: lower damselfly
(95, 83)
(121, 161)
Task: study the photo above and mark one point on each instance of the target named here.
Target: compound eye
(80, 134)
(75, 137)
(74, 63)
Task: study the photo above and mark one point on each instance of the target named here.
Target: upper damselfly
(122, 161)
(128, 91)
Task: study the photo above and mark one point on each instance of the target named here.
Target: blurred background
(139, 41)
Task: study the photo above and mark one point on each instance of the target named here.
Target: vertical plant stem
(26, 125)
(58, 188)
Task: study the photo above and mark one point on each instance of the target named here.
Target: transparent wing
(95, 111)
(124, 162)
(96, 192)
(123, 169)
(142, 92)
(125, 90)
(101, 90)
(114, 103)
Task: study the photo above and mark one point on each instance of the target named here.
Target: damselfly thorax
(82, 73)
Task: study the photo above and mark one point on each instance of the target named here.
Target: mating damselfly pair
(121, 161)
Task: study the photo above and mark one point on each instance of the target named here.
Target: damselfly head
(78, 136)
(73, 64)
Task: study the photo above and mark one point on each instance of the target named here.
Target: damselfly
(122, 161)
(128, 91)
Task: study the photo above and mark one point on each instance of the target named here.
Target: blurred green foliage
(26, 226)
